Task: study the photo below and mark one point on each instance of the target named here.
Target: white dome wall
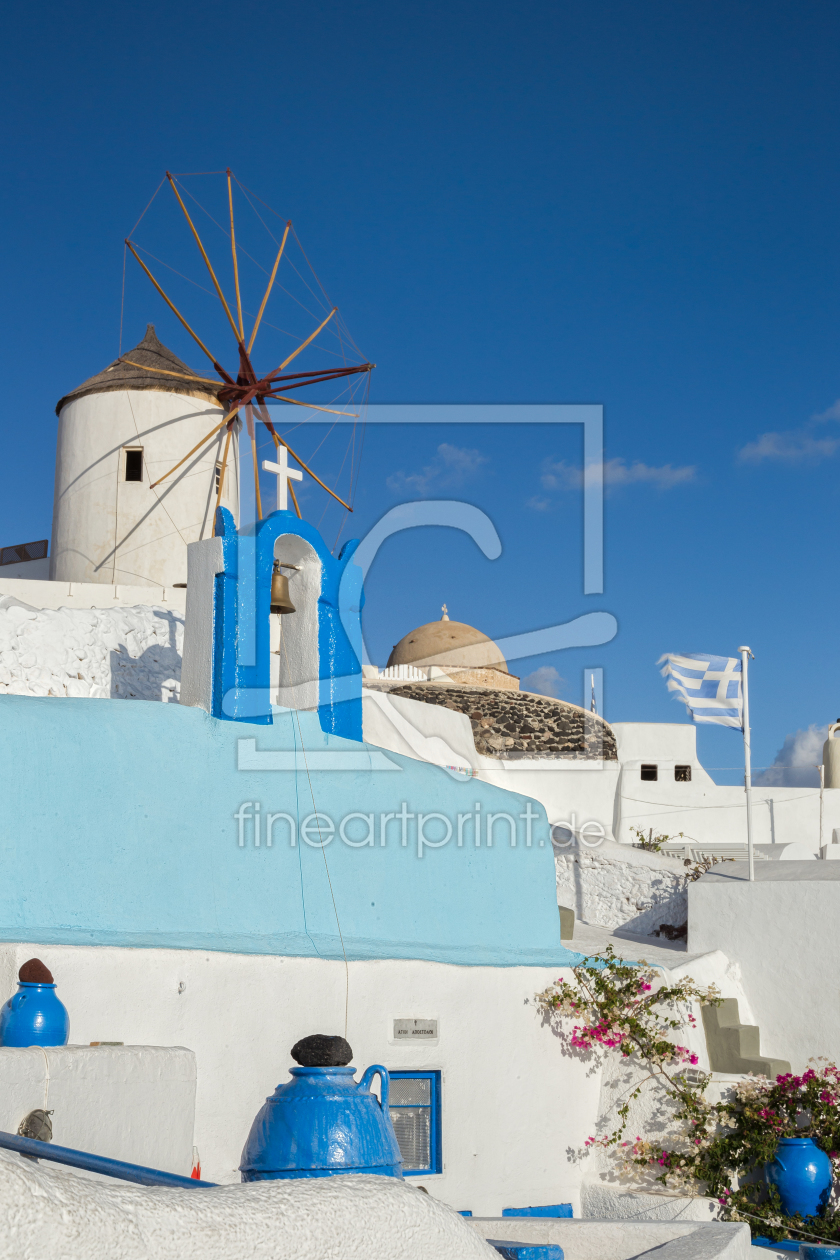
(107, 529)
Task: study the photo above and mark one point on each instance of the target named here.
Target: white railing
(697, 852)
(405, 673)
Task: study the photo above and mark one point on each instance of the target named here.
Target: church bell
(281, 600)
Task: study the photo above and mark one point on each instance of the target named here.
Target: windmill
(247, 391)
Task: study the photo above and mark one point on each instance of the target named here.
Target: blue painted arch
(241, 625)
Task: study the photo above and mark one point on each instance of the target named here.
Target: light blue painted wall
(117, 828)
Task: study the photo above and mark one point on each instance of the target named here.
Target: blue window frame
(414, 1104)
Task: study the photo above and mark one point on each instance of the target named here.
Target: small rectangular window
(134, 465)
(682, 774)
(650, 774)
(218, 477)
(414, 1105)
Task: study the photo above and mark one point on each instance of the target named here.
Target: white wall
(134, 1103)
(704, 812)
(205, 560)
(48, 594)
(708, 814)
(101, 653)
(295, 663)
(573, 792)
(782, 930)
(658, 741)
(30, 570)
(619, 886)
(423, 731)
(612, 794)
(512, 1102)
(606, 1190)
(107, 529)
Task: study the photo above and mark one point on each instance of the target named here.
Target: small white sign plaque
(415, 1030)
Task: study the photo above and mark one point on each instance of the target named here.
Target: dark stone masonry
(512, 724)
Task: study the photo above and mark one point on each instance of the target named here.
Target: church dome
(449, 644)
(159, 369)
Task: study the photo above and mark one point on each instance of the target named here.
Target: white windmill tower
(148, 449)
(118, 432)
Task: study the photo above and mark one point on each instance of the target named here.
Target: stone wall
(516, 724)
(616, 885)
(484, 677)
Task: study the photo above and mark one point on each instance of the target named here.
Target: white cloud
(795, 446)
(451, 466)
(617, 473)
(796, 761)
(545, 681)
(791, 446)
(557, 475)
(830, 413)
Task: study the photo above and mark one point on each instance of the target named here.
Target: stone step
(735, 1047)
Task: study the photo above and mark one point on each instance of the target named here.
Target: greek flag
(709, 686)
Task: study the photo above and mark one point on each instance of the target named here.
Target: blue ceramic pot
(321, 1123)
(801, 1173)
(34, 1016)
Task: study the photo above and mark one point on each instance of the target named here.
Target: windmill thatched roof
(151, 353)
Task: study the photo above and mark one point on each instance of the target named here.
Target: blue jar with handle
(323, 1122)
(802, 1174)
(35, 1015)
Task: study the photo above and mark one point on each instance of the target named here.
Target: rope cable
(250, 258)
(122, 301)
(297, 816)
(131, 233)
(355, 485)
(223, 230)
(295, 270)
(323, 850)
(340, 471)
(151, 199)
(323, 290)
(169, 267)
(294, 336)
(333, 331)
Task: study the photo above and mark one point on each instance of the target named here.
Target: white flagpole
(821, 769)
(745, 655)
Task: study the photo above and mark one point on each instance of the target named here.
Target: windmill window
(682, 774)
(218, 477)
(134, 465)
(414, 1104)
(650, 773)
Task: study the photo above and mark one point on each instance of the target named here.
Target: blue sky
(589, 202)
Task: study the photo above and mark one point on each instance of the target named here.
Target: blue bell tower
(241, 662)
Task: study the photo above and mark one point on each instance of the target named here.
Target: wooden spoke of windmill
(248, 391)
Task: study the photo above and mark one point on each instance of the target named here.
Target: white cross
(284, 473)
(731, 673)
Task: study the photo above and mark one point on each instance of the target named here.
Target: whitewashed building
(288, 851)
